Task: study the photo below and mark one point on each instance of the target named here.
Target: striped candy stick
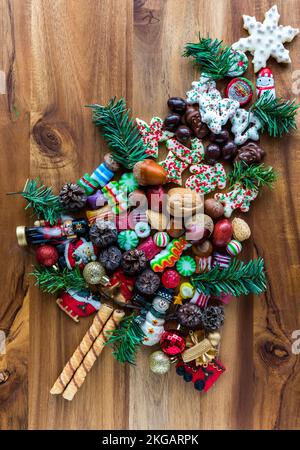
(90, 358)
(74, 362)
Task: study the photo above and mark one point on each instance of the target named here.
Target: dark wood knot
(274, 354)
(47, 138)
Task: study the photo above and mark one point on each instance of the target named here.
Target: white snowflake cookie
(266, 39)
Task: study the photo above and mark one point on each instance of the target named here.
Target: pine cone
(110, 258)
(190, 316)
(72, 197)
(147, 282)
(213, 318)
(103, 233)
(133, 261)
(250, 153)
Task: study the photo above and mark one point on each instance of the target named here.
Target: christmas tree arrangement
(139, 248)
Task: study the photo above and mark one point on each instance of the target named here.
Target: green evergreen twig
(252, 176)
(120, 132)
(276, 115)
(238, 278)
(214, 58)
(52, 281)
(126, 339)
(41, 199)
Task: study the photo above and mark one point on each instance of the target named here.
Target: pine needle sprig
(126, 339)
(252, 176)
(41, 199)
(51, 280)
(276, 115)
(214, 58)
(238, 278)
(120, 132)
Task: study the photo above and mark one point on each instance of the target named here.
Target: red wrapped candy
(46, 255)
(172, 343)
(170, 279)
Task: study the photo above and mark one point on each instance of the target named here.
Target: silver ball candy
(159, 362)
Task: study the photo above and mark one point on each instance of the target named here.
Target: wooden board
(58, 56)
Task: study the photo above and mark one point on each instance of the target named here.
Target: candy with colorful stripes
(102, 175)
(200, 299)
(221, 260)
(88, 184)
(161, 238)
(234, 247)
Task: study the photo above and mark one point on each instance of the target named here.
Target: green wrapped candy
(128, 240)
(186, 266)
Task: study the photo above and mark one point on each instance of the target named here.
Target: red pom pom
(172, 343)
(47, 255)
(170, 279)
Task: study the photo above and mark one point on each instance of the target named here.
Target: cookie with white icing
(266, 39)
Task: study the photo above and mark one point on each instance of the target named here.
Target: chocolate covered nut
(177, 105)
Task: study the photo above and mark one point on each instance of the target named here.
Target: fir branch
(252, 176)
(126, 339)
(120, 132)
(214, 58)
(238, 278)
(51, 280)
(41, 199)
(276, 115)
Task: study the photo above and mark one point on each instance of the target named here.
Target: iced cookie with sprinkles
(238, 198)
(206, 178)
(174, 168)
(245, 126)
(152, 134)
(192, 155)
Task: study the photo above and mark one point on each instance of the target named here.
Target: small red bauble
(46, 255)
(172, 343)
(170, 279)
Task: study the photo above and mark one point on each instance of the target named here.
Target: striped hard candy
(161, 239)
(234, 247)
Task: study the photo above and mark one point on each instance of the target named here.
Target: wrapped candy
(169, 256)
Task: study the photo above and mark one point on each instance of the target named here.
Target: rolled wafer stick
(92, 355)
(74, 362)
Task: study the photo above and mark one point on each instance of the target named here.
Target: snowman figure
(265, 82)
(153, 326)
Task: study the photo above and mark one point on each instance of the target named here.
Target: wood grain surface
(58, 56)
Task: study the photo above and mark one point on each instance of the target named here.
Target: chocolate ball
(177, 105)
(229, 150)
(171, 122)
(212, 152)
(220, 138)
(183, 134)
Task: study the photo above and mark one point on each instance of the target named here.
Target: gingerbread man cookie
(152, 134)
(207, 178)
(245, 125)
(238, 198)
